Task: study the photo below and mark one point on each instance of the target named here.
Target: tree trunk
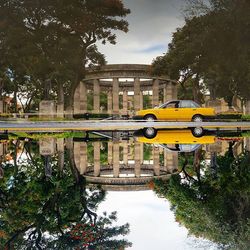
(196, 90)
(60, 100)
(15, 98)
(1, 89)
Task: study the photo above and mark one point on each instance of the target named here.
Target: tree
(216, 207)
(56, 39)
(211, 49)
(38, 213)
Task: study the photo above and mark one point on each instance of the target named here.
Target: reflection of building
(122, 79)
(125, 167)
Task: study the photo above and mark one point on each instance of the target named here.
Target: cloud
(151, 49)
(151, 24)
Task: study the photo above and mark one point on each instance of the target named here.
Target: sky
(152, 223)
(151, 24)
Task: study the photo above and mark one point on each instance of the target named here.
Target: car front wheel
(197, 118)
(150, 117)
(149, 133)
(197, 131)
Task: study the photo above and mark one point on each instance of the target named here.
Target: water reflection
(51, 186)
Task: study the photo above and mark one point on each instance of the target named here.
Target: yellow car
(182, 110)
(175, 140)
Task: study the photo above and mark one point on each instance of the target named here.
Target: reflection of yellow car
(184, 136)
(180, 140)
(183, 110)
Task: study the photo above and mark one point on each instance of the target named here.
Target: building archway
(125, 86)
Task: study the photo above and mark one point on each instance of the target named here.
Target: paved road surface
(111, 125)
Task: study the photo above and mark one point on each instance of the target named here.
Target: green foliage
(38, 212)
(215, 207)
(52, 42)
(211, 50)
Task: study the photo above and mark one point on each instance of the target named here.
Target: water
(116, 190)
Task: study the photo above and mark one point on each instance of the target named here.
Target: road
(102, 125)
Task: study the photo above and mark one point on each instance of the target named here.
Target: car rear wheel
(198, 131)
(149, 133)
(150, 117)
(197, 118)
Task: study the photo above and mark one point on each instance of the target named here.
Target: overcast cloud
(151, 24)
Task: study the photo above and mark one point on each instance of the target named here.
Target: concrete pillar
(141, 100)
(47, 109)
(155, 99)
(110, 152)
(142, 152)
(216, 104)
(83, 97)
(125, 153)
(137, 97)
(96, 89)
(137, 158)
(168, 92)
(156, 160)
(77, 100)
(110, 102)
(116, 162)
(174, 91)
(247, 143)
(115, 96)
(97, 164)
(170, 161)
(60, 150)
(60, 110)
(1, 106)
(81, 156)
(47, 146)
(247, 110)
(125, 102)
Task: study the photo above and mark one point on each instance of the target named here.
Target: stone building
(129, 81)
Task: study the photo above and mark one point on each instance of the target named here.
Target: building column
(125, 153)
(174, 91)
(137, 158)
(110, 153)
(155, 99)
(97, 165)
(1, 107)
(170, 161)
(156, 160)
(247, 143)
(137, 94)
(60, 150)
(125, 102)
(115, 96)
(83, 97)
(96, 89)
(116, 161)
(110, 102)
(168, 92)
(247, 109)
(141, 100)
(80, 156)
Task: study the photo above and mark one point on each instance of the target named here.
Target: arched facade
(124, 86)
(126, 169)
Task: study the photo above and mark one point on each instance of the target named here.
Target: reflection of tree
(214, 207)
(36, 213)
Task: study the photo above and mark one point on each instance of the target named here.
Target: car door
(169, 111)
(187, 110)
